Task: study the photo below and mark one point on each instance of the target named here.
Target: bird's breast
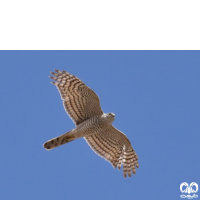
(93, 125)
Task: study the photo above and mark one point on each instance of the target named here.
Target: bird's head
(110, 117)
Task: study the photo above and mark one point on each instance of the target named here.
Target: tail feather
(55, 142)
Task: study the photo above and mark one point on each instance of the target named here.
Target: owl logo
(192, 188)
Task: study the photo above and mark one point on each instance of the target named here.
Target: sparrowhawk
(83, 106)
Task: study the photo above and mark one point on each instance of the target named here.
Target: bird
(83, 106)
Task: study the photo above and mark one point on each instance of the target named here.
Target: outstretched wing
(114, 146)
(80, 102)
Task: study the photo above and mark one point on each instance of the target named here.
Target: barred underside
(55, 142)
(114, 146)
(79, 101)
(83, 106)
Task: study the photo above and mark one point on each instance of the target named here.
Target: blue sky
(155, 97)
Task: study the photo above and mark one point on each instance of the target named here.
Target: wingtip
(54, 78)
(124, 175)
(58, 71)
(54, 83)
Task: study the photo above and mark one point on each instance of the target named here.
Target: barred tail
(55, 142)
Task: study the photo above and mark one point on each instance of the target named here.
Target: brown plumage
(83, 106)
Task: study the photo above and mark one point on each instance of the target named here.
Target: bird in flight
(83, 106)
